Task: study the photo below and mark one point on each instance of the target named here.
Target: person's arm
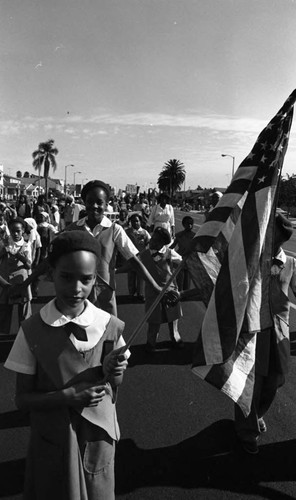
(172, 221)
(4, 283)
(114, 365)
(25, 259)
(124, 268)
(20, 288)
(174, 244)
(293, 280)
(138, 266)
(37, 257)
(79, 395)
(151, 219)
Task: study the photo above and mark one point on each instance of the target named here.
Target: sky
(122, 86)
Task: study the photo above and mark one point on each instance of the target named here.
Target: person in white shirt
(162, 215)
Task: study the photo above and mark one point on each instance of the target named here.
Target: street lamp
(66, 166)
(233, 160)
(75, 182)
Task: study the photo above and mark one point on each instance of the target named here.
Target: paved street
(177, 434)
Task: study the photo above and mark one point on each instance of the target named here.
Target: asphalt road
(177, 437)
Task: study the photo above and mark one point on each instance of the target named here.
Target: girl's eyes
(69, 278)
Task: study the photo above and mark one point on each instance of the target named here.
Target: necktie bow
(277, 262)
(155, 254)
(78, 332)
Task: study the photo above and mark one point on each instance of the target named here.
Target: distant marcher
(33, 237)
(8, 211)
(47, 232)
(23, 207)
(215, 198)
(55, 214)
(40, 206)
(69, 211)
(182, 244)
(4, 231)
(162, 215)
(123, 218)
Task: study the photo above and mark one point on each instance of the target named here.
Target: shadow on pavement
(13, 419)
(212, 459)
(12, 476)
(164, 355)
(293, 343)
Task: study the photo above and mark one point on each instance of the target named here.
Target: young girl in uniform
(15, 264)
(140, 238)
(159, 260)
(68, 363)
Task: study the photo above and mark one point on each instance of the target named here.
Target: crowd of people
(73, 395)
(28, 229)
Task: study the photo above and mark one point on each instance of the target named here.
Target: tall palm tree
(45, 155)
(172, 176)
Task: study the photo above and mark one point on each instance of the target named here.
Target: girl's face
(73, 277)
(16, 231)
(188, 224)
(95, 204)
(122, 216)
(163, 201)
(135, 222)
(156, 242)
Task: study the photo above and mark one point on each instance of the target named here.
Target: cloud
(93, 125)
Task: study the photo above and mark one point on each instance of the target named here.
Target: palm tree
(172, 176)
(45, 155)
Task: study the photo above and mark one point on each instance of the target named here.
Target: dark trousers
(265, 388)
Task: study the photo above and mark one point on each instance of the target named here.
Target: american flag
(231, 265)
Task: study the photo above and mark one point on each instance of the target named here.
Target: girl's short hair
(17, 220)
(92, 185)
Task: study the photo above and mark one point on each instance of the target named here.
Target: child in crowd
(4, 231)
(55, 215)
(140, 238)
(46, 232)
(159, 261)
(69, 211)
(15, 263)
(123, 218)
(33, 237)
(182, 243)
(68, 378)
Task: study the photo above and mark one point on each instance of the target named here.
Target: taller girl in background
(140, 238)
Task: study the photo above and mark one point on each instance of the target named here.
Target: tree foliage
(172, 176)
(45, 156)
